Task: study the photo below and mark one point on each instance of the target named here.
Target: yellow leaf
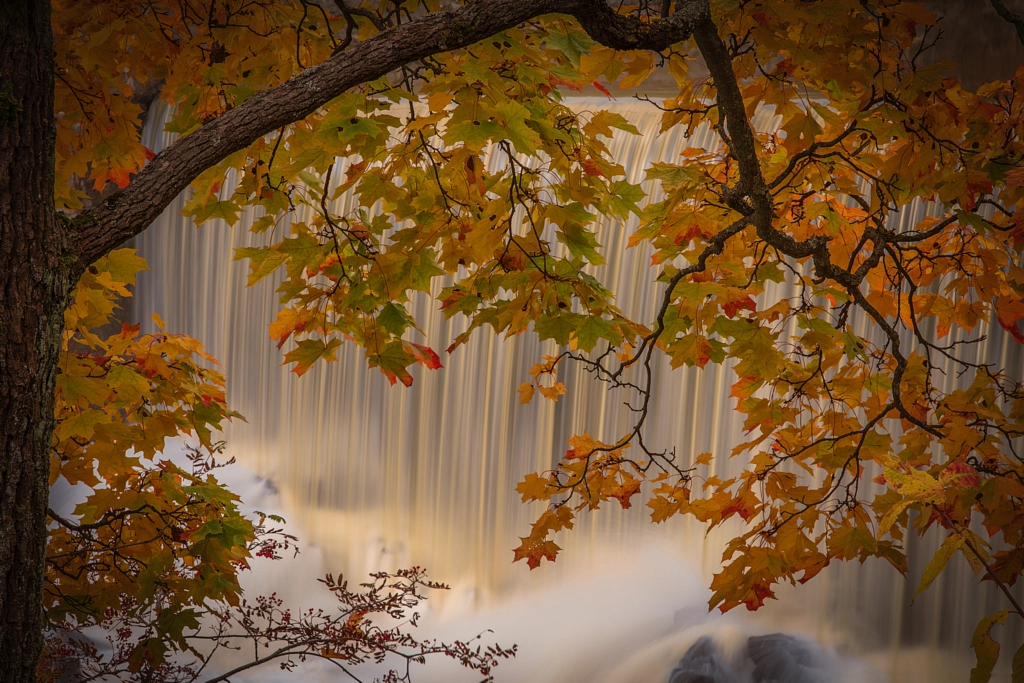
(525, 391)
(553, 392)
(535, 487)
(939, 561)
(288, 322)
(1018, 666)
(601, 61)
(889, 518)
(985, 648)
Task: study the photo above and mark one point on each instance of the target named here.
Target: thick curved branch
(751, 196)
(129, 211)
(1011, 17)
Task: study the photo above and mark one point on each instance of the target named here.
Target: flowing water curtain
(383, 477)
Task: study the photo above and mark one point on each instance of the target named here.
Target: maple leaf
(289, 321)
(1009, 314)
(535, 487)
(553, 392)
(590, 167)
(625, 492)
(535, 551)
(761, 592)
(509, 192)
(552, 521)
(309, 351)
(743, 506)
(662, 508)
(424, 355)
(731, 308)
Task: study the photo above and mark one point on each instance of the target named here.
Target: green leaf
(558, 327)
(302, 250)
(262, 261)
(394, 319)
(309, 351)
(173, 623)
(524, 138)
(474, 134)
(624, 197)
(581, 243)
(572, 45)
(393, 360)
(594, 328)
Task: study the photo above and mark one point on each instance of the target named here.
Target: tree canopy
(851, 444)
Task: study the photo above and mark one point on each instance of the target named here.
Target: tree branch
(1012, 17)
(129, 211)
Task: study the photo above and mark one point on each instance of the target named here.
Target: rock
(779, 658)
(702, 663)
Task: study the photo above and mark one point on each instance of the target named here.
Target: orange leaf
(534, 551)
(1009, 314)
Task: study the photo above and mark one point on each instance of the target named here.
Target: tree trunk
(35, 280)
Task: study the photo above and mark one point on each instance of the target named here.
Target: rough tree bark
(34, 283)
(43, 253)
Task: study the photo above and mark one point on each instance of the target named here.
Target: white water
(377, 477)
(625, 619)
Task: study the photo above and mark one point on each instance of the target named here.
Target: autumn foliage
(143, 576)
(851, 444)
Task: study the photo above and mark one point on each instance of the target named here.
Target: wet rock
(702, 663)
(779, 658)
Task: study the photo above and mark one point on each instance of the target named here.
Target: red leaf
(959, 475)
(425, 356)
(981, 187)
(733, 307)
(591, 168)
(555, 81)
(762, 591)
(597, 84)
(693, 231)
(625, 492)
(745, 386)
(740, 506)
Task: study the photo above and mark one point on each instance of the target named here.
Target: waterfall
(381, 477)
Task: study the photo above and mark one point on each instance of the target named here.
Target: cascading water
(380, 477)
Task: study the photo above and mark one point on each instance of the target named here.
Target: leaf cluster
(780, 238)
